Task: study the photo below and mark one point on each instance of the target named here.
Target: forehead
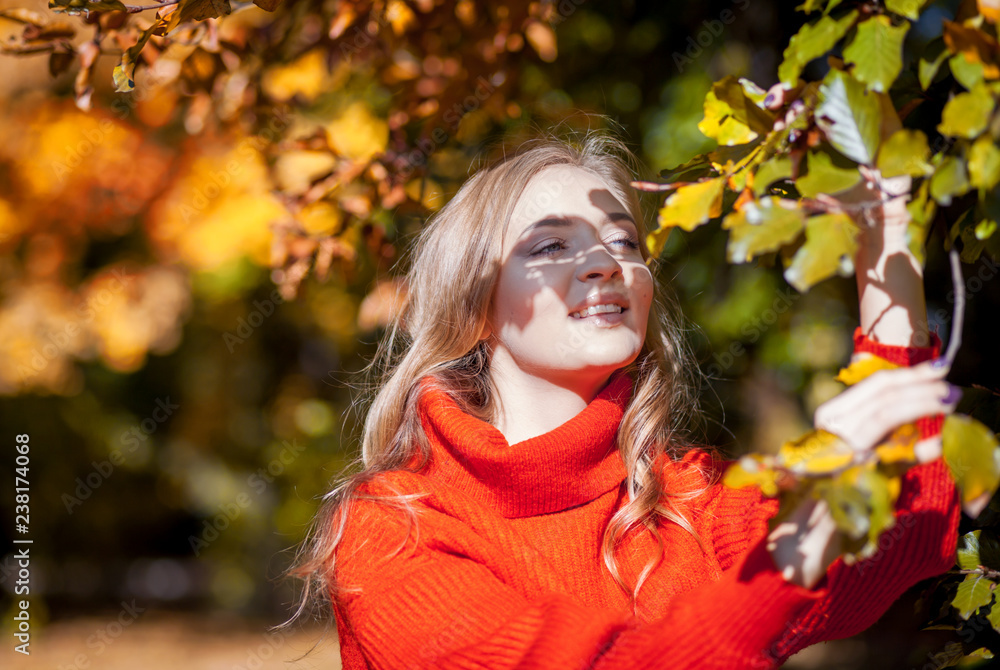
(564, 190)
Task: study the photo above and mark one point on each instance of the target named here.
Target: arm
(433, 605)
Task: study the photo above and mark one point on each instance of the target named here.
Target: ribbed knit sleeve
(921, 544)
(431, 605)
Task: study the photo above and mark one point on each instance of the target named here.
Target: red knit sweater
(505, 571)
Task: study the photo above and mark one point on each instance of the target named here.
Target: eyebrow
(562, 222)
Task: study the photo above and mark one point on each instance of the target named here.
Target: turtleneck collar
(565, 467)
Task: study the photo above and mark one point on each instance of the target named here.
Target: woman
(529, 497)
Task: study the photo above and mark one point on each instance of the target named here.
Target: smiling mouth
(598, 309)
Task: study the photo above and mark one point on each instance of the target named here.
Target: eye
(548, 248)
(624, 242)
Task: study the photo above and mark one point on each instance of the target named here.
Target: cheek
(642, 290)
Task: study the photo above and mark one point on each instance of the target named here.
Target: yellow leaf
(899, 447)
(816, 452)
(690, 206)
(862, 368)
(752, 470)
(357, 133)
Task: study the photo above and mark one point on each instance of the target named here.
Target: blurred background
(193, 274)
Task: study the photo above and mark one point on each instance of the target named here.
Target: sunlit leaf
(812, 41)
(760, 227)
(731, 117)
(971, 452)
(770, 171)
(930, 62)
(984, 163)
(829, 249)
(358, 133)
(124, 73)
(967, 73)
(899, 446)
(908, 8)
(974, 45)
(690, 206)
(967, 114)
(968, 551)
(752, 470)
(850, 117)
(985, 229)
(827, 174)
(905, 152)
(876, 52)
(974, 592)
(949, 180)
(197, 10)
(860, 502)
(816, 452)
(862, 368)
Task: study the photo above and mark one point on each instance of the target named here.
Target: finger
(865, 426)
(775, 97)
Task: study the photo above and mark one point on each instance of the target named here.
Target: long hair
(436, 336)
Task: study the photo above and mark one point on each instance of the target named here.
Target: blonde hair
(437, 336)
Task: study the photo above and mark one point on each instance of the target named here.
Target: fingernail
(954, 395)
(769, 100)
(939, 363)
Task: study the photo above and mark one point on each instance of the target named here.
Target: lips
(600, 304)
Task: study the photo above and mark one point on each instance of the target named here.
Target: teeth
(598, 309)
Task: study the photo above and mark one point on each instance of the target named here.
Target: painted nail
(954, 395)
(939, 363)
(769, 100)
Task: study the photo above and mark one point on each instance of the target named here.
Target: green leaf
(690, 206)
(78, 6)
(930, 63)
(876, 52)
(994, 617)
(812, 41)
(949, 180)
(971, 453)
(985, 229)
(829, 249)
(861, 504)
(850, 117)
(760, 227)
(973, 593)
(968, 551)
(905, 152)
(968, 114)
(770, 171)
(984, 163)
(967, 73)
(908, 8)
(828, 174)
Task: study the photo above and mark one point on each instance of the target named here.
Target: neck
(530, 406)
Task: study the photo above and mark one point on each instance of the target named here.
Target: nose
(598, 264)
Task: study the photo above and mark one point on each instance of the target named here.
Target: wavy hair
(437, 335)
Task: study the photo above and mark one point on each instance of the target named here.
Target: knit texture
(503, 568)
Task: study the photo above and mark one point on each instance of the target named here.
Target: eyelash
(548, 250)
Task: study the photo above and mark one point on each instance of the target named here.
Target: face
(572, 299)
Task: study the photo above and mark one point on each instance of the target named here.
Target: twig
(982, 570)
(956, 325)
